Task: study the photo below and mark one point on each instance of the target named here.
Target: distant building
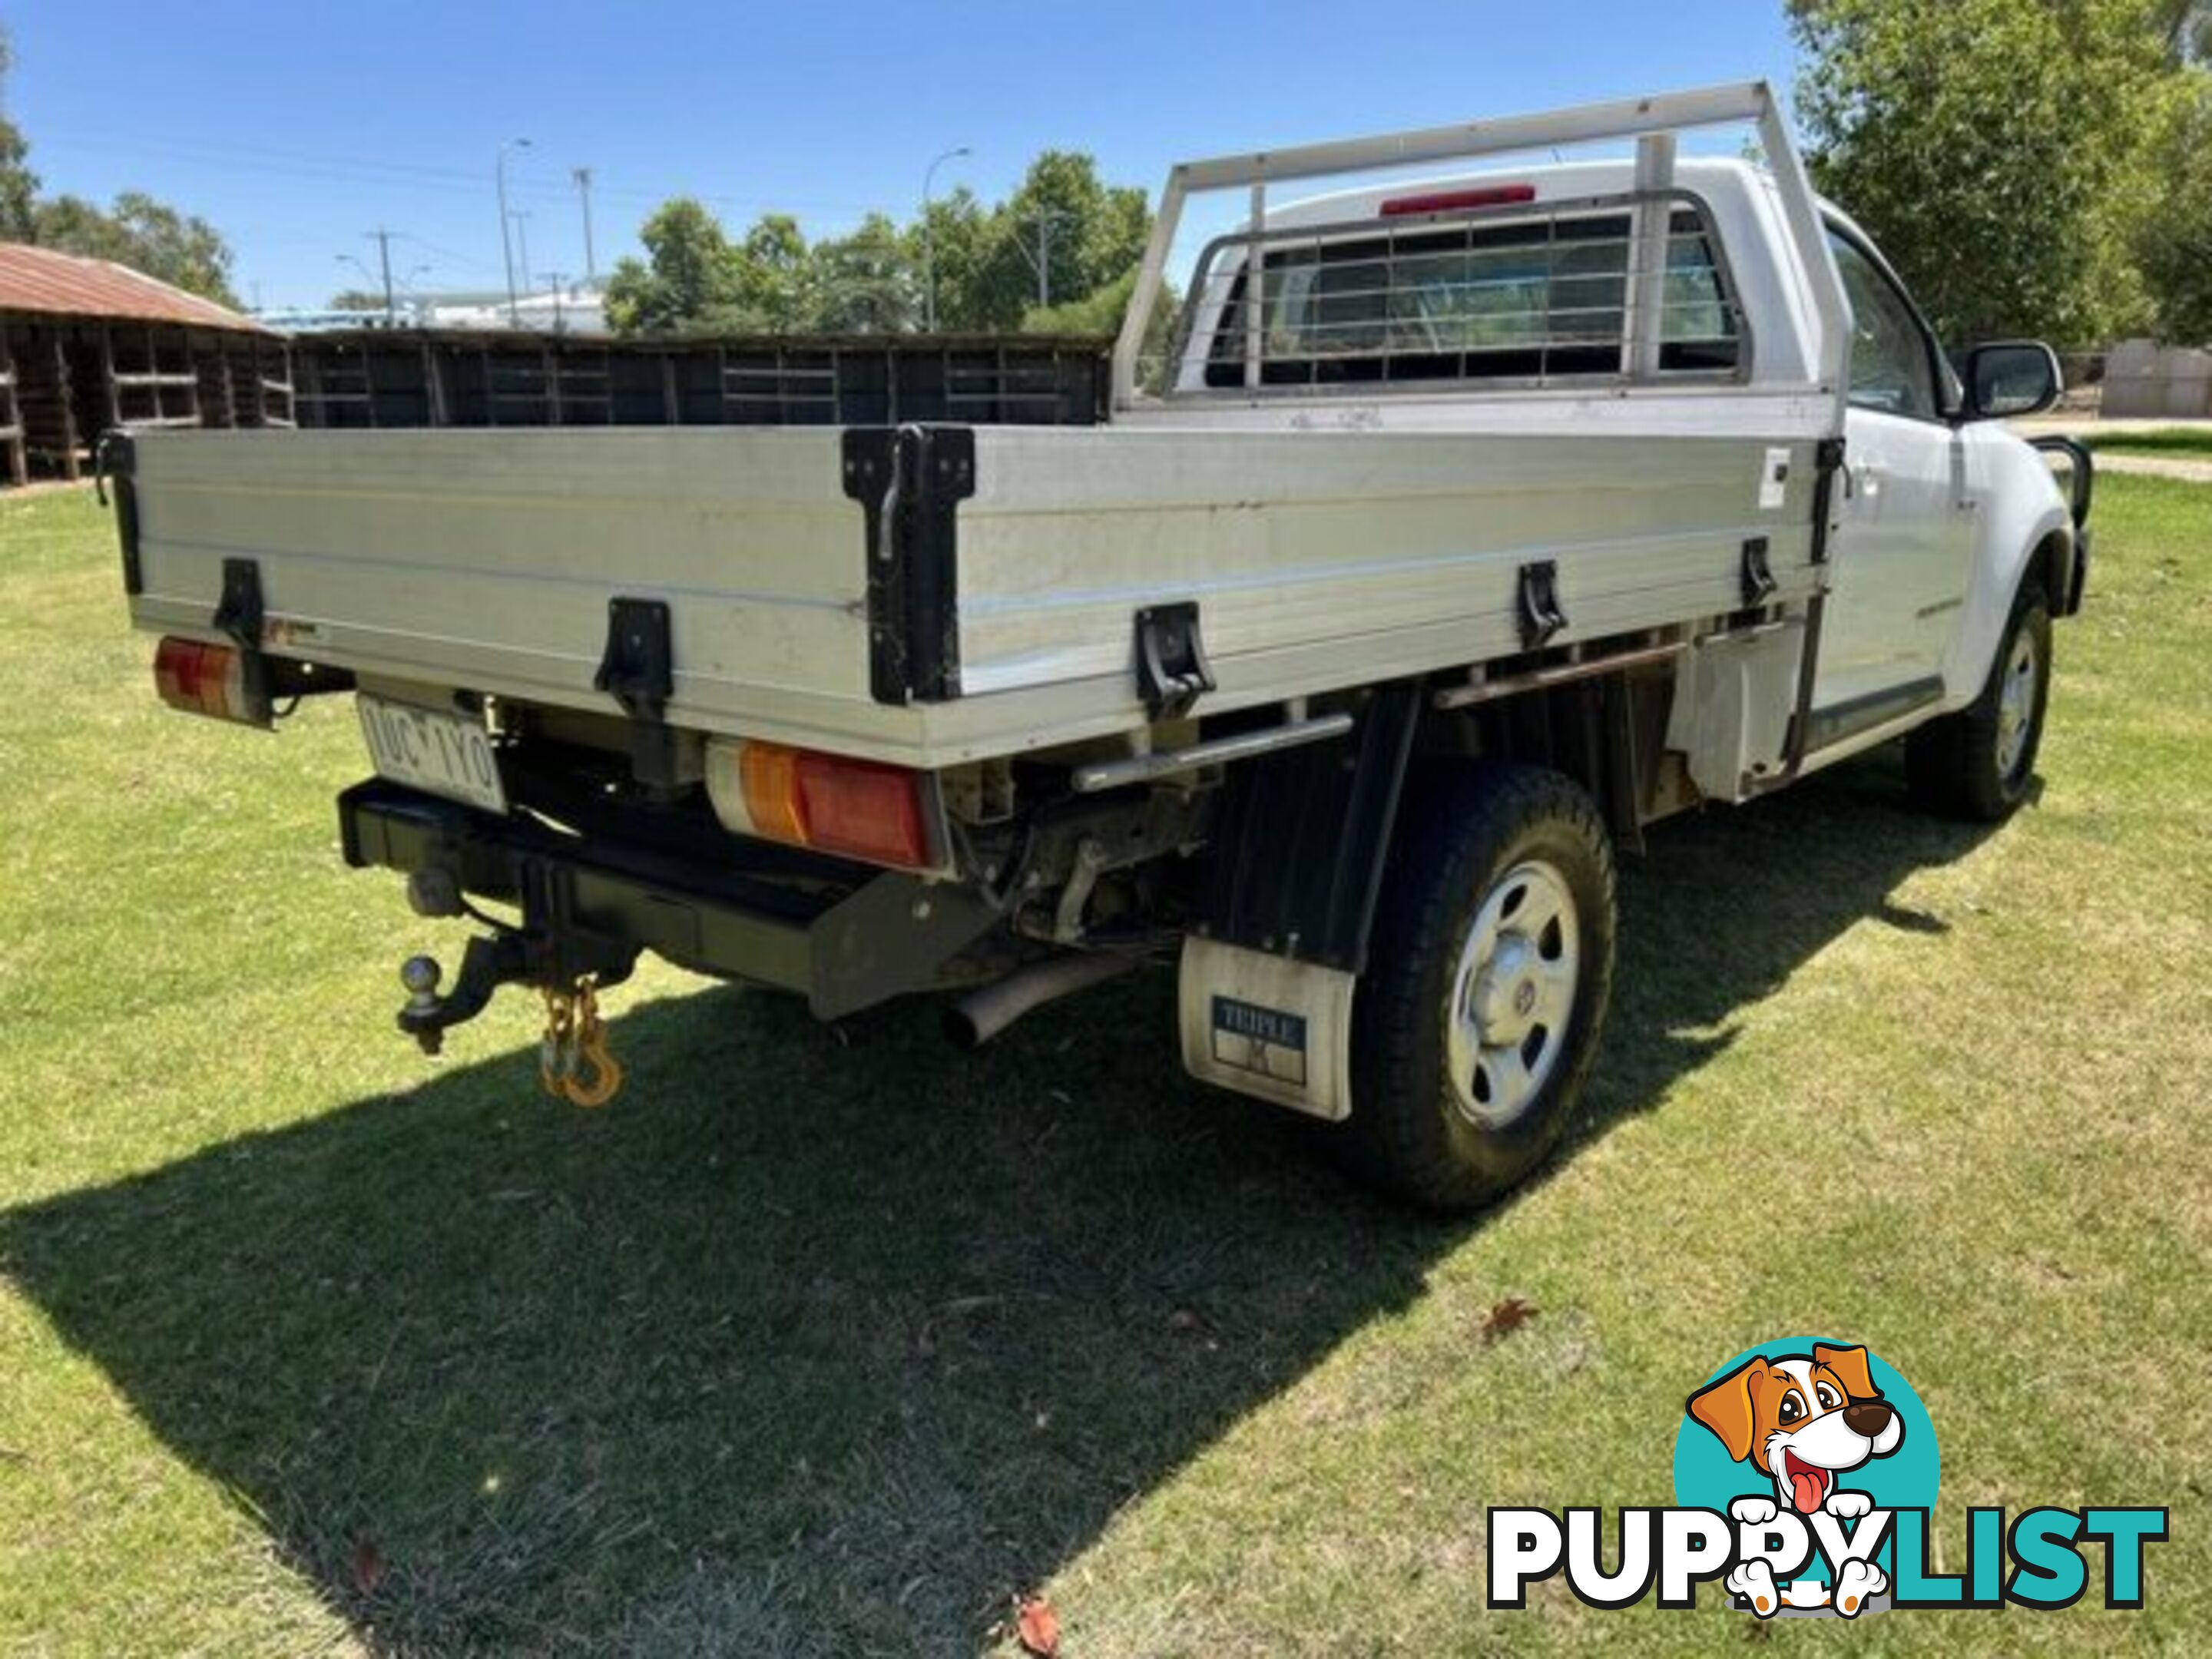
(85, 345)
(580, 308)
(326, 321)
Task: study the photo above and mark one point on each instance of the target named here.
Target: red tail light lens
(202, 680)
(856, 809)
(1457, 201)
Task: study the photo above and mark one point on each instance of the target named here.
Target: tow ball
(573, 1061)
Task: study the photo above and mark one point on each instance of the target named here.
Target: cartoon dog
(1802, 1419)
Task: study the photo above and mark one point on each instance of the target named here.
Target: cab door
(1905, 540)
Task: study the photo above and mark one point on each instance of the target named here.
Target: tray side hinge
(909, 481)
(638, 670)
(1172, 671)
(240, 614)
(1538, 603)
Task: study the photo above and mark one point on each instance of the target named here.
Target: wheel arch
(2040, 548)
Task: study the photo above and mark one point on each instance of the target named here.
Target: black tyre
(1486, 985)
(1976, 764)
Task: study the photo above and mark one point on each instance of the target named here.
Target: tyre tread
(1455, 819)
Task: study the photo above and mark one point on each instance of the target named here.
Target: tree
(1082, 233)
(686, 279)
(774, 277)
(357, 299)
(2174, 238)
(145, 235)
(1087, 234)
(866, 283)
(2186, 26)
(1998, 149)
(959, 246)
(19, 185)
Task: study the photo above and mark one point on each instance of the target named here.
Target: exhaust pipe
(981, 1015)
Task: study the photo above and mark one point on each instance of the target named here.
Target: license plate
(428, 749)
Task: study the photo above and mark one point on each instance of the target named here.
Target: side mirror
(2011, 378)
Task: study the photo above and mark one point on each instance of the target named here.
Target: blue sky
(298, 128)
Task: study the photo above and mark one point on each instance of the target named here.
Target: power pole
(583, 178)
(1041, 261)
(383, 240)
(506, 246)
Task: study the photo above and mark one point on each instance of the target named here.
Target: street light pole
(521, 251)
(929, 241)
(583, 178)
(505, 245)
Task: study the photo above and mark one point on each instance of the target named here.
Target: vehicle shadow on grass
(814, 1342)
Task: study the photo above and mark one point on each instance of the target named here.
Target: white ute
(1447, 532)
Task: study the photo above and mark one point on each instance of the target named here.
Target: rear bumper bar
(590, 898)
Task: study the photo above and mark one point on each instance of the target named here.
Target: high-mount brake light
(857, 809)
(204, 679)
(1458, 201)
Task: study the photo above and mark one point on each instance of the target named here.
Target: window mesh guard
(1521, 297)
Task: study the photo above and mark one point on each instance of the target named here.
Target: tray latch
(1759, 583)
(1541, 614)
(1172, 671)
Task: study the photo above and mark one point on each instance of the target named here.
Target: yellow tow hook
(572, 1061)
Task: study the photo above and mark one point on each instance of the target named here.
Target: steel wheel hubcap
(2015, 704)
(1513, 994)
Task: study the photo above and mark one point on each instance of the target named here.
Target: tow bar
(569, 967)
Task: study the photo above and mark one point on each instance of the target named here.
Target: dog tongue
(1805, 1487)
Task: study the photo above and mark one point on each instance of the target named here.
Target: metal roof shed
(85, 345)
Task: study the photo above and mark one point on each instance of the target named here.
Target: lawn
(2184, 443)
(831, 1341)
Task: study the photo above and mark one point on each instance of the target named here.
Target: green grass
(828, 1342)
(2184, 442)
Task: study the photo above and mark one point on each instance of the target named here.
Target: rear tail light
(1456, 201)
(856, 809)
(208, 679)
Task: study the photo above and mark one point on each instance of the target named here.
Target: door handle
(1861, 478)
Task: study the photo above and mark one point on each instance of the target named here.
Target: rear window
(1529, 301)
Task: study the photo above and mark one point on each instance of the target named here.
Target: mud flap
(1267, 1026)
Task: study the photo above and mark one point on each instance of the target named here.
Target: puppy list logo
(1805, 1473)
(1824, 1442)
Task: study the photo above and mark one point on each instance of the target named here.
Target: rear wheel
(1491, 968)
(1978, 763)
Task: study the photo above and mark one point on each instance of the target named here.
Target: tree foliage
(2174, 238)
(1062, 219)
(866, 283)
(2186, 26)
(686, 281)
(1998, 149)
(19, 185)
(146, 235)
(877, 278)
(134, 230)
